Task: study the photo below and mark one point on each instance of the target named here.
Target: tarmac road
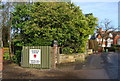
(99, 66)
(111, 65)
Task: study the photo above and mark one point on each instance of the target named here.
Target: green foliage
(110, 49)
(6, 56)
(67, 50)
(16, 58)
(42, 23)
(116, 45)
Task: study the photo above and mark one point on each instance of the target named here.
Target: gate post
(54, 53)
(1, 62)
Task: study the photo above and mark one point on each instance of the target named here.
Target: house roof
(105, 34)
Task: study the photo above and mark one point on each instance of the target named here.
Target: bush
(115, 45)
(17, 57)
(17, 54)
(14, 59)
(112, 49)
(42, 23)
(67, 50)
(6, 56)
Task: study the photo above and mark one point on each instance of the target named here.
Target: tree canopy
(43, 22)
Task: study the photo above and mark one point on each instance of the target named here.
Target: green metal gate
(45, 57)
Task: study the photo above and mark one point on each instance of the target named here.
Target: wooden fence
(93, 45)
(45, 57)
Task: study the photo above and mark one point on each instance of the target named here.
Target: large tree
(41, 23)
(5, 8)
(4, 22)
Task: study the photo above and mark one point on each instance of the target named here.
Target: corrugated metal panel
(45, 57)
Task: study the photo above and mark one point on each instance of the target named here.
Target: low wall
(71, 58)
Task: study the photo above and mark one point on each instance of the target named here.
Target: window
(108, 44)
(99, 39)
(118, 41)
(111, 40)
(110, 35)
(103, 39)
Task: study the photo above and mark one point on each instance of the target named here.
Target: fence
(43, 60)
(93, 45)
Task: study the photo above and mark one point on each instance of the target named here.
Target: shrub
(17, 57)
(6, 56)
(67, 50)
(41, 23)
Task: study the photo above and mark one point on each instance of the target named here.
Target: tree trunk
(10, 49)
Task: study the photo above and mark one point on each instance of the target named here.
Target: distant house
(107, 39)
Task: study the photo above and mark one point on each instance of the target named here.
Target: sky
(102, 10)
(95, 0)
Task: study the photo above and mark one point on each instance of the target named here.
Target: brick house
(107, 38)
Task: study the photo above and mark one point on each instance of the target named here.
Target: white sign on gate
(35, 56)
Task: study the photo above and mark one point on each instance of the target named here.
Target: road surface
(97, 66)
(105, 64)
